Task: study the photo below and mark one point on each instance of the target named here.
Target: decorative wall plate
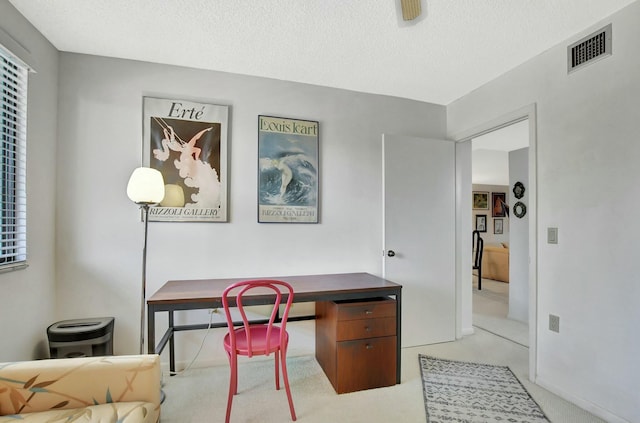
(519, 209)
(518, 190)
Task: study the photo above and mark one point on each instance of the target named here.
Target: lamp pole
(145, 188)
(145, 210)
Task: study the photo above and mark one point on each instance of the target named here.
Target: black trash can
(81, 337)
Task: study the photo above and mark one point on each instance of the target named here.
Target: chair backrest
(264, 292)
(478, 247)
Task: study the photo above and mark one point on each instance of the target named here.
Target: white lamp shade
(146, 186)
(173, 196)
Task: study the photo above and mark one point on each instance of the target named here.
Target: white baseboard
(582, 403)
(468, 331)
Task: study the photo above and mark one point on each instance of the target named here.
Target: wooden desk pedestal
(356, 343)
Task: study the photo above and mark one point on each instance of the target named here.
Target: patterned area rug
(457, 391)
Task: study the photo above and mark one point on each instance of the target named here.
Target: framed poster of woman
(498, 204)
(187, 142)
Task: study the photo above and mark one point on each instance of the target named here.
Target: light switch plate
(554, 323)
(552, 235)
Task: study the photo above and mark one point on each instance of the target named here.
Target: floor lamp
(145, 188)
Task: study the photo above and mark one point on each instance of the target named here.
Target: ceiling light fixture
(411, 9)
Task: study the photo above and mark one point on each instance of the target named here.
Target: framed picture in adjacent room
(287, 170)
(498, 204)
(480, 200)
(498, 226)
(481, 222)
(187, 142)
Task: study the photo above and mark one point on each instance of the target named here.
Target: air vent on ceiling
(589, 49)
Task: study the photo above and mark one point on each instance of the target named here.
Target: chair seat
(258, 340)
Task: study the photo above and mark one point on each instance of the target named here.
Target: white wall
(27, 299)
(519, 238)
(490, 167)
(100, 235)
(587, 155)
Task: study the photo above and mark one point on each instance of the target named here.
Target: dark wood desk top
(306, 288)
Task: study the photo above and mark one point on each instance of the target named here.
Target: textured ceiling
(358, 45)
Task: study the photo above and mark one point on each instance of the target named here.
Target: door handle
(391, 253)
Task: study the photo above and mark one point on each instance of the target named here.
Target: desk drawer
(365, 328)
(366, 309)
(366, 364)
(356, 343)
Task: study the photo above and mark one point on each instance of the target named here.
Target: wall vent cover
(589, 49)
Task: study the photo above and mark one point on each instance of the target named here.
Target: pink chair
(257, 338)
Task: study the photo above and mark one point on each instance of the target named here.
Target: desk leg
(172, 345)
(151, 329)
(398, 334)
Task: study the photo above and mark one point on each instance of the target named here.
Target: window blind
(13, 162)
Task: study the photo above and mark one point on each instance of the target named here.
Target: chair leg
(285, 377)
(233, 364)
(233, 384)
(277, 360)
(235, 376)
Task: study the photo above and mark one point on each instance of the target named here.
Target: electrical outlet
(554, 323)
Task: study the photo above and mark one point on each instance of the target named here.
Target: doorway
(464, 291)
(499, 160)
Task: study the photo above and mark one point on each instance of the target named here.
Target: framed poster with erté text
(287, 170)
(187, 142)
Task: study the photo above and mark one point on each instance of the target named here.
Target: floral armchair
(125, 389)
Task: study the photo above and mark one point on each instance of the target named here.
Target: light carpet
(200, 396)
(458, 391)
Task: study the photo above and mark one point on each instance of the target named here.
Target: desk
(207, 293)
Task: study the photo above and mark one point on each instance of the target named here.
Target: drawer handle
(368, 312)
(367, 329)
(368, 346)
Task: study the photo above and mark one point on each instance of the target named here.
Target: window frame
(13, 163)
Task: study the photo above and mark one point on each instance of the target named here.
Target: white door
(419, 234)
